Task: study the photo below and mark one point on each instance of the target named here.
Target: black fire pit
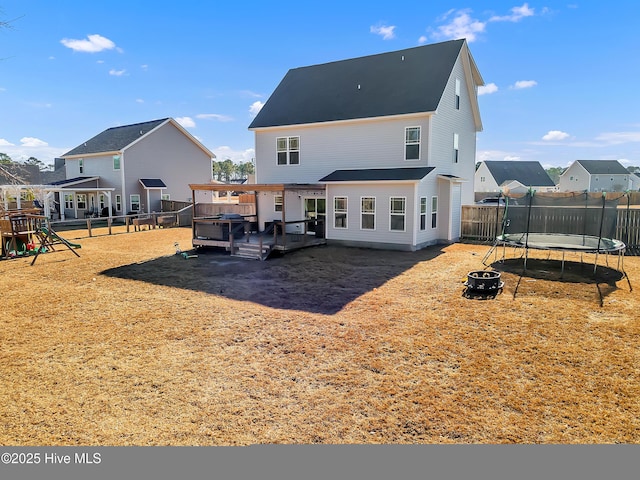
(482, 280)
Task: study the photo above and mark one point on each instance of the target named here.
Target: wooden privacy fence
(482, 223)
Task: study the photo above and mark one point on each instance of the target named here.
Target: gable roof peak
(400, 82)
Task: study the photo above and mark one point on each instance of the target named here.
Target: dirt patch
(131, 344)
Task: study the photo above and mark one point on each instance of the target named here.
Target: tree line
(227, 170)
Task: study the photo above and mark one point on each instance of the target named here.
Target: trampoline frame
(560, 242)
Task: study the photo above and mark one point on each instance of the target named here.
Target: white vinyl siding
(366, 144)
(448, 122)
(353, 193)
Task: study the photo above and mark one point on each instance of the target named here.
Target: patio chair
(91, 213)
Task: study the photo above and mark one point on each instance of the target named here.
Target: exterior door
(315, 208)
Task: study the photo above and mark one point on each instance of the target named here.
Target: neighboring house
(595, 176)
(512, 176)
(635, 182)
(19, 173)
(390, 139)
(132, 168)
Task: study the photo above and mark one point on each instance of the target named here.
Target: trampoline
(562, 242)
(578, 222)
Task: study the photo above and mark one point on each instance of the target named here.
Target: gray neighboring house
(388, 141)
(596, 176)
(512, 176)
(131, 168)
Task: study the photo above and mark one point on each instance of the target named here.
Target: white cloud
(214, 116)
(5, 143)
(422, 40)
(555, 135)
(144, 67)
(33, 142)
(386, 32)
(255, 108)
(117, 73)
(237, 156)
(250, 94)
(511, 158)
(521, 84)
(484, 155)
(461, 26)
(487, 89)
(517, 14)
(186, 122)
(92, 44)
(617, 138)
(139, 100)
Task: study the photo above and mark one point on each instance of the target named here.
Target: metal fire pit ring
(483, 280)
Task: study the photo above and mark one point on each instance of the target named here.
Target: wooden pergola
(255, 188)
(279, 241)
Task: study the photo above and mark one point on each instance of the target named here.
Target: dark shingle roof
(394, 83)
(603, 167)
(115, 139)
(72, 181)
(526, 172)
(378, 174)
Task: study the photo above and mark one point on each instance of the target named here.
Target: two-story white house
(595, 176)
(389, 138)
(132, 168)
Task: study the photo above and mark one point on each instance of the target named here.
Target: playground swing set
(30, 235)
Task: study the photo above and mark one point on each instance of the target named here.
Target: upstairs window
(288, 150)
(116, 162)
(457, 97)
(81, 165)
(412, 143)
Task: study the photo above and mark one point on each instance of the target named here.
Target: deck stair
(251, 250)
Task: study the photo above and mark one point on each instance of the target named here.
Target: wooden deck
(240, 239)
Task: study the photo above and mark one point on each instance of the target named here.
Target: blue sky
(560, 76)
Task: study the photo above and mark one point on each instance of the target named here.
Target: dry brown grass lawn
(132, 345)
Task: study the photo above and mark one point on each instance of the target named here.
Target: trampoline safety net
(574, 213)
